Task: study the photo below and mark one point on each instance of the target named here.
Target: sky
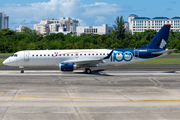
(88, 12)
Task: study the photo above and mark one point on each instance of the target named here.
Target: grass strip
(6, 53)
(175, 54)
(1, 60)
(159, 61)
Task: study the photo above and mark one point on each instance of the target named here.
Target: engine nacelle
(67, 66)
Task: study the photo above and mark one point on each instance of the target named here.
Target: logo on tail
(163, 44)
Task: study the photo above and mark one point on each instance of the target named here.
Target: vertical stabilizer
(160, 39)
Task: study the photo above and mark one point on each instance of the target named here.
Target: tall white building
(140, 24)
(64, 25)
(104, 29)
(4, 21)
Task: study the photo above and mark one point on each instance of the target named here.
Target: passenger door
(136, 53)
(26, 56)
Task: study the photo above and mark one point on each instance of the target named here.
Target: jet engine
(67, 66)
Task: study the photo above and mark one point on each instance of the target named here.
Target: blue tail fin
(160, 39)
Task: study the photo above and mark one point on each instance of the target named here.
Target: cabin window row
(69, 54)
(76, 54)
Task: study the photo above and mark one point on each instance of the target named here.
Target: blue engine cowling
(67, 66)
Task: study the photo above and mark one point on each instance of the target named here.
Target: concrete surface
(108, 95)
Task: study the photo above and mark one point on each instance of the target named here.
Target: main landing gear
(22, 69)
(88, 70)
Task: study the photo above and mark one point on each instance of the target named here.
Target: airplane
(69, 60)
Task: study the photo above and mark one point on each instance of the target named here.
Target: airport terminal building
(140, 24)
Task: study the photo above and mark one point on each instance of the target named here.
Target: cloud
(100, 19)
(29, 14)
(101, 9)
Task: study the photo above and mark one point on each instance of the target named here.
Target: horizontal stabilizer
(166, 51)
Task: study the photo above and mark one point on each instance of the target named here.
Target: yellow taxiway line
(92, 101)
(61, 99)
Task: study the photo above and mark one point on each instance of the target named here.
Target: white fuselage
(54, 57)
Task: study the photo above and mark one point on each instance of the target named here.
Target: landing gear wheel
(88, 71)
(22, 71)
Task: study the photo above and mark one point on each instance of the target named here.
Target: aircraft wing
(92, 62)
(166, 51)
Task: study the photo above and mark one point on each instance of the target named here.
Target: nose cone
(5, 62)
(10, 62)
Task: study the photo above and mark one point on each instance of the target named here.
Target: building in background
(126, 25)
(20, 28)
(4, 21)
(64, 25)
(140, 24)
(104, 29)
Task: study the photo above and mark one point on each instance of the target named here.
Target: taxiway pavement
(107, 95)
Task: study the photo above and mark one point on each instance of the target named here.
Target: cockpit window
(14, 55)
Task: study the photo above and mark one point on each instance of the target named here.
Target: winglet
(109, 55)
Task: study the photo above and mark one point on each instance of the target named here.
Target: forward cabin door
(26, 56)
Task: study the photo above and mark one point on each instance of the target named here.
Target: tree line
(11, 41)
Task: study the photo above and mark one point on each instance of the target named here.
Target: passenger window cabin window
(52, 55)
(84, 54)
(59, 54)
(48, 55)
(100, 53)
(103, 53)
(92, 54)
(15, 55)
(37, 55)
(56, 54)
(64, 55)
(71, 54)
(44, 54)
(89, 54)
(97, 54)
(40, 55)
(67, 54)
(80, 54)
(33, 55)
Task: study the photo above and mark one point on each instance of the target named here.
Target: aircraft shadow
(94, 72)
